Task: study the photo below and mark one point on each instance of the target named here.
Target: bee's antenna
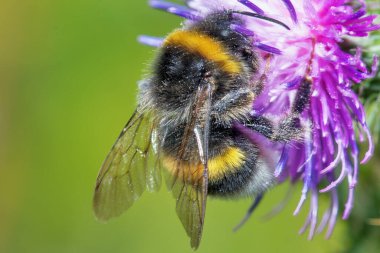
(255, 15)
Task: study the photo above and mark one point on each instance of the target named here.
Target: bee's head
(179, 74)
(176, 76)
(189, 60)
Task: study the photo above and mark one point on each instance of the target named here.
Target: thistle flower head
(313, 47)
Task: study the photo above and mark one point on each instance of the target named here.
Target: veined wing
(189, 179)
(130, 167)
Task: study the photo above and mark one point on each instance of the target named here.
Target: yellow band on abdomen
(230, 160)
(205, 46)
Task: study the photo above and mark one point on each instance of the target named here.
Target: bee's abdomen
(232, 181)
(252, 176)
(234, 164)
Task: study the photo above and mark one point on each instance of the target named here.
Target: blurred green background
(68, 84)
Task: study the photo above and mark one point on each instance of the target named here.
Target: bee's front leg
(234, 106)
(289, 128)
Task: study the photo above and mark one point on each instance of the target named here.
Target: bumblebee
(203, 83)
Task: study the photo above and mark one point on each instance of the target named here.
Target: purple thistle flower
(312, 49)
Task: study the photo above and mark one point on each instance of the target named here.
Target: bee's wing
(130, 167)
(189, 183)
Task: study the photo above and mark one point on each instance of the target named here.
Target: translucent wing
(190, 179)
(130, 167)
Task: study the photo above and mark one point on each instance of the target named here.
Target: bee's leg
(302, 97)
(289, 128)
(252, 208)
(233, 105)
(259, 85)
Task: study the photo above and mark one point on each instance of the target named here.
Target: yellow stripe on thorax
(230, 160)
(205, 46)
